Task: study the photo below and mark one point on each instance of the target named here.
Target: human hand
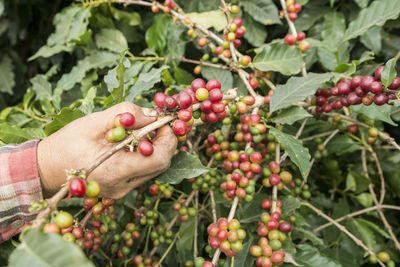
(80, 142)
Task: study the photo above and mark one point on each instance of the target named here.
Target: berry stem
(213, 206)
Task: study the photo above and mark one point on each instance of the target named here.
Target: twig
(213, 206)
(380, 172)
(196, 223)
(171, 224)
(356, 213)
(168, 250)
(85, 219)
(378, 204)
(341, 228)
(324, 143)
(313, 137)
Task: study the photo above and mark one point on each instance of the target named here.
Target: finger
(138, 165)
(143, 116)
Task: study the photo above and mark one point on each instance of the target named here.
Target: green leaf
(15, 135)
(279, 57)
(290, 204)
(111, 39)
(311, 257)
(255, 32)
(156, 35)
(303, 234)
(98, 59)
(71, 23)
(185, 240)
(341, 144)
(176, 45)
(291, 115)
(115, 79)
(7, 79)
(48, 51)
(375, 112)
(250, 212)
(372, 39)
(39, 249)
(214, 18)
(295, 150)
(362, 3)
(374, 227)
(310, 15)
(183, 166)
(65, 116)
(263, 11)
(243, 257)
(129, 18)
(365, 199)
(41, 87)
(333, 29)
(87, 105)
(224, 76)
(182, 76)
(363, 232)
(375, 15)
(389, 71)
(328, 58)
(145, 82)
(297, 89)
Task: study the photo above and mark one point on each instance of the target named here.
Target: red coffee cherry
(126, 120)
(290, 39)
(179, 127)
(77, 187)
(184, 100)
(213, 84)
(198, 83)
(170, 102)
(145, 148)
(159, 99)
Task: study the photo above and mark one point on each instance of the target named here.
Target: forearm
(19, 186)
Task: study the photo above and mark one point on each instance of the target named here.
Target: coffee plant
(286, 113)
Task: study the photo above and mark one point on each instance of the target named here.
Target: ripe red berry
(266, 204)
(212, 117)
(126, 120)
(202, 41)
(344, 88)
(170, 102)
(245, 60)
(213, 84)
(198, 83)
(184, 100)
(378, 73)
(238, 21)
(272, 224)
(219, 50)
(290, 39)
(215, 95)
(297, 7)
(222, 234)
(145, 148)
(356, 81)
(240, 32)
(285, 227)
(206, 106)
(274, 167)
(253, 83)
(366, 83)
(380, 99)
(184, 115)
(326, 107)
(77, 187)
(154, 8)
(179, 127)
(274, 179)
(237, 43)
(293, 16)
(395, 84)
(301, 36)
(159, 99)
(376, 88)
(218, 107)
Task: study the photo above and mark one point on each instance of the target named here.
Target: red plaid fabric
(19, 186)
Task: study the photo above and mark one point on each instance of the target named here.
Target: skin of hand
(82, 141)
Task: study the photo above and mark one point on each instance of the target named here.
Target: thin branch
(85, 219)
(313, 137)
(213, 206)
(356, 213)
(342, 228)
(284, 156)
(196, 223)
(380, 172)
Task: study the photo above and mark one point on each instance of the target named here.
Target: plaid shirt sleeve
(19, 186)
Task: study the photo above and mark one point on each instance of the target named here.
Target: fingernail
(149, 112)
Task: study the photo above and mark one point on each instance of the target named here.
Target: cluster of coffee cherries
(293, 9)
(226, 235)
(210, 97)
(205, 183)
(272, 231)
(122, 242)
(146, 217)
(365, 90)
(139, 261)
(384, 257)
(183, 211)
(161, 235)
(168, 6)
(299, 189)
(166, 189)
(302, 44)
(275, 177)
(123, 123)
